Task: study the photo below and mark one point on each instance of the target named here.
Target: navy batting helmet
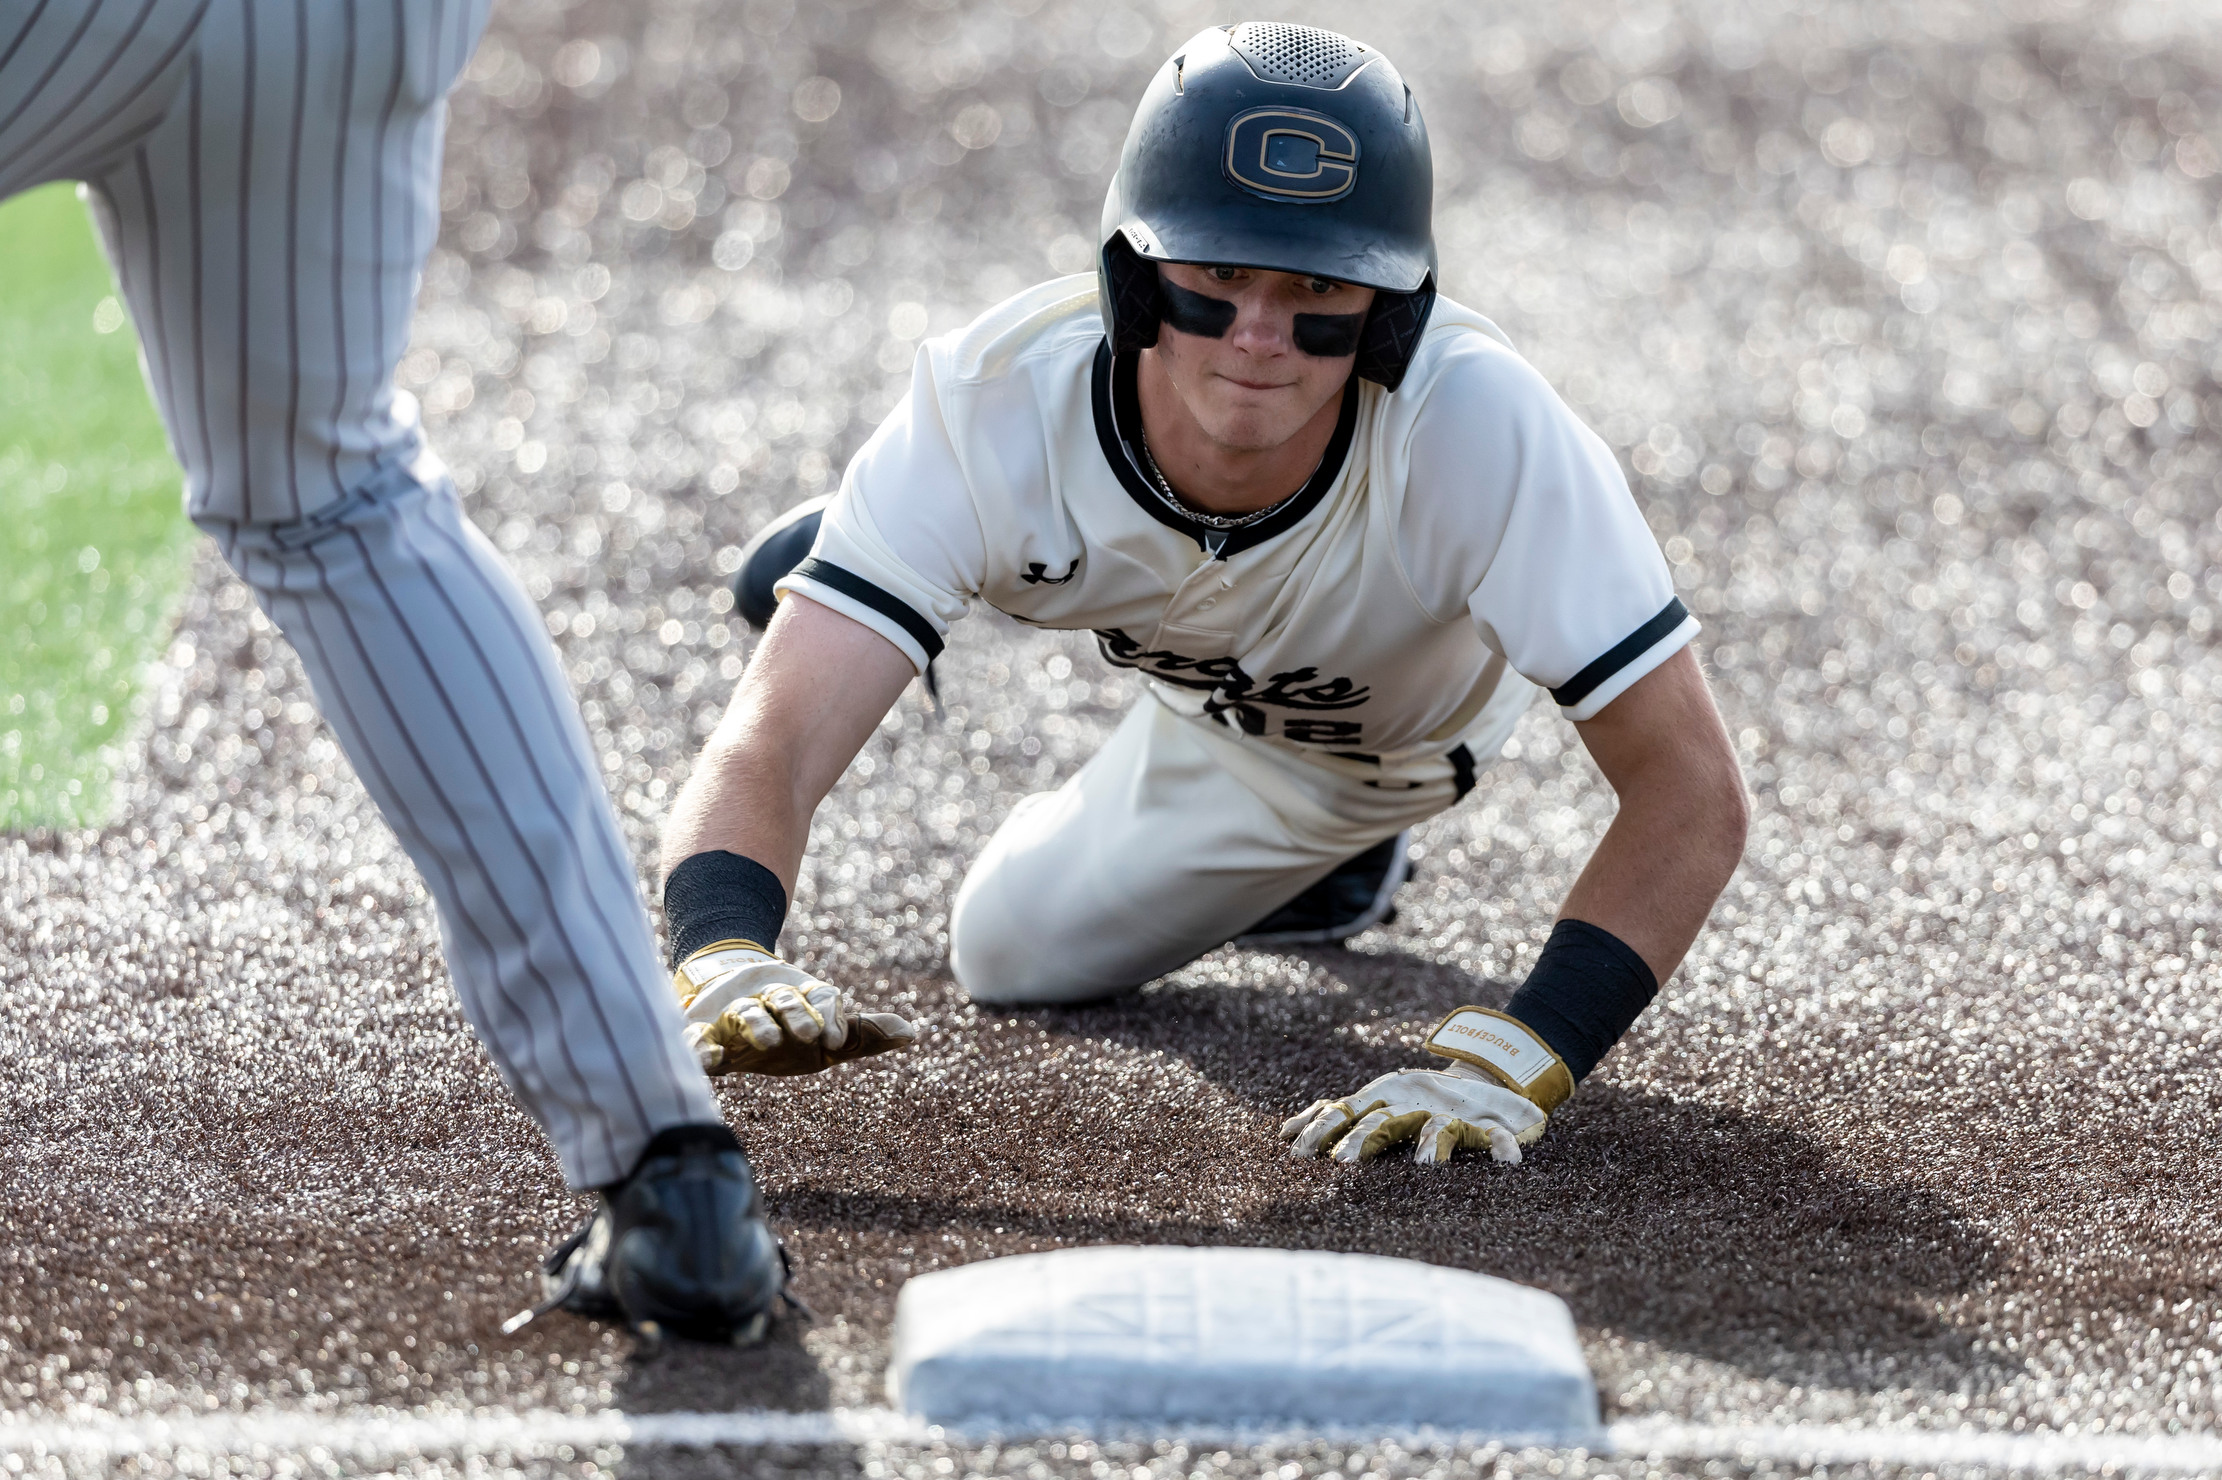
(1280, 147)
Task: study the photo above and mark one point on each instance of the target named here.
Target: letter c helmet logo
(1291, 154)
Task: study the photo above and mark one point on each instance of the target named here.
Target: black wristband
(721, 896)
(1584, 993)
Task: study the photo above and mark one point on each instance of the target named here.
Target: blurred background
(1901, 318)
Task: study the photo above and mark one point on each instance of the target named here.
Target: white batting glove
(1443, 1109)
(748, 1012)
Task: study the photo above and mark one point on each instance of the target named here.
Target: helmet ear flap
(1392, 333)
(1132, 295)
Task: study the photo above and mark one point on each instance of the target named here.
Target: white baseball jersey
(1464, 533)
(266, 174)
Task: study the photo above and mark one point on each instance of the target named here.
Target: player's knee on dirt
(996, 959)
(1010, 945)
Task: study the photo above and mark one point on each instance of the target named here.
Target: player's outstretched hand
(1443, 1109)
(748, 1012)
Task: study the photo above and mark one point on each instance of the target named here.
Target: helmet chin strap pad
(1131, 289)
(1392, 334)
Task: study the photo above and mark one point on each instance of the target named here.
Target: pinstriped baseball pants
(266, 177)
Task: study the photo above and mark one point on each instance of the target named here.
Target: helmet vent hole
(1303, 55)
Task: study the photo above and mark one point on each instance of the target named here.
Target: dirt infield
(1903, 321)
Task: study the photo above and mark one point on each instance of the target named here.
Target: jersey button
(1207, 603)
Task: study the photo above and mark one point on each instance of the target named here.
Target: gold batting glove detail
(1441, 1110)
(1507, 1050)
(748, 1012)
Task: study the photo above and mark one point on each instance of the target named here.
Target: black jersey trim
(856, 588)
(1117, 405)
(1461, 761)
(1623, 652)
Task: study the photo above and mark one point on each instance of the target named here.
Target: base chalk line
(360, 1433)
(2040, 1451)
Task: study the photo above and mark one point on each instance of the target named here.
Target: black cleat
(680, 1247)
(778, 548)
(1358, 895)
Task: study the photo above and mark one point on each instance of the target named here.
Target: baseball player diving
(265, 174)
(1342, 530)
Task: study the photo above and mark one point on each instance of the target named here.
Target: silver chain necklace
(1225, 523)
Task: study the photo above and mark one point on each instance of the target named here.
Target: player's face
(1254, 355)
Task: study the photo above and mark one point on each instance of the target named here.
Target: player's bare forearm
(815, 690)
(1683, 814)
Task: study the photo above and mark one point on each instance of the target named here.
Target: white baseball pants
(266, 177)
(1177, 835)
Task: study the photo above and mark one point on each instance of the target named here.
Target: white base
(1235, 1339)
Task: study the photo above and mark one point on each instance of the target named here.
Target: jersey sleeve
(1528, 522)
(900, 549)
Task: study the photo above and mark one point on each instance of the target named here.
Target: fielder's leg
(81, 82)
(437, 677)
(268, 231)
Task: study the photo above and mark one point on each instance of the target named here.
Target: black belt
(1461, 767)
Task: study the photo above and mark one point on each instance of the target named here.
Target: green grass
(93, 543)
